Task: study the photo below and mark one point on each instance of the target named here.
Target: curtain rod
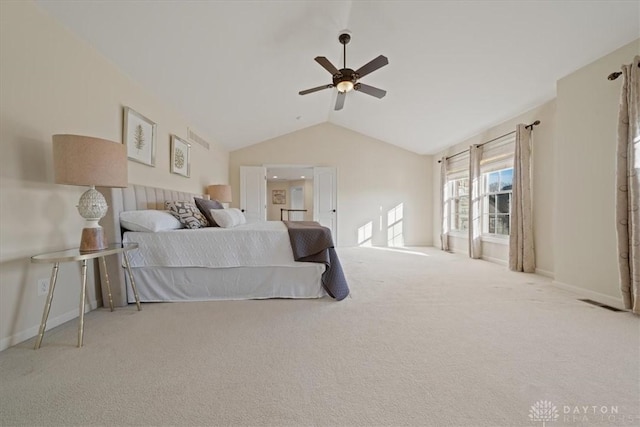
(616, 74)
(530, 126)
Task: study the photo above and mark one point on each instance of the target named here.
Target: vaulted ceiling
(234, 68)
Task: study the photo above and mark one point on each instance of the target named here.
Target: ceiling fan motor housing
(345, 79)
(345, 75)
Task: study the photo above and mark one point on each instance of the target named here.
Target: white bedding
(215, 284)
(264, 243)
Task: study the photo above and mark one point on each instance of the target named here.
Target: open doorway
(289, 193)
(263, 197)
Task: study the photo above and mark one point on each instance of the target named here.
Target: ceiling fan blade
(315, 89)
(340, 100)
(326, 64)
(370, 90)
(372, 65)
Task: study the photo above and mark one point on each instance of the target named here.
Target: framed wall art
(180, 156)
(139, 135)
(279, 197)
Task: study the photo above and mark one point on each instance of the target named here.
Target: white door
(253, 192)
(325, 199)
(297, 202)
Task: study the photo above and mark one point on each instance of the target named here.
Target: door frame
(267, 166)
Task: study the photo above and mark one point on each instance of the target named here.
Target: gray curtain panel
(521, 251)
(628, 187)
(475, 198)
(444, 207)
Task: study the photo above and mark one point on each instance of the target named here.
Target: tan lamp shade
(85, 160)
(221, 193)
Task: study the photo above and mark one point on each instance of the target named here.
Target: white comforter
(264, 243)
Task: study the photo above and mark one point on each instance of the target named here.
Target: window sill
(459, 234)
(495, 238)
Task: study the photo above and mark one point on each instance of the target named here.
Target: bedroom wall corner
(51, 82)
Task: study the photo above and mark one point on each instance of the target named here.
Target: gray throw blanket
(312, 242)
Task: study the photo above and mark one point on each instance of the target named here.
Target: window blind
(498, 155)
(458, 167)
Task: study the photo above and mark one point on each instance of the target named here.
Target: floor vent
(191, 135)
(599, 304)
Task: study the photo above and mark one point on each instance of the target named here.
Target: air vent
(192, 136)
(599, 304)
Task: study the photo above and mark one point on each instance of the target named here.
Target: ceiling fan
(346, 79)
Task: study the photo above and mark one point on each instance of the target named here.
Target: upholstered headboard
(134, 197)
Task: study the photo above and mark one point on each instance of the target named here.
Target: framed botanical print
(139, 135)
(180, 156)
(279, 197)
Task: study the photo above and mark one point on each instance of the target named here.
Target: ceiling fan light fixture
(345, 86)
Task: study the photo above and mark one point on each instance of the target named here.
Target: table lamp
(88, 161)
(220, 192)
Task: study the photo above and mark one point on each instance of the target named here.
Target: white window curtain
(475, 200)
(521, 251)
(444, 206)
(628, 187)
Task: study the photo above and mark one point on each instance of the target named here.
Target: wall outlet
(43, 287)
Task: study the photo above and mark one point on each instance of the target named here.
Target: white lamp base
(92, 207)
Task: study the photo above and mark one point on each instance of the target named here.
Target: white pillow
(149, 221)
(227, 218)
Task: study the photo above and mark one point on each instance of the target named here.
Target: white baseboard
(592, 295)
(495, 260)
(483, 257)
(549, 274)
(505, 263)
(51, 323)
(458, 251)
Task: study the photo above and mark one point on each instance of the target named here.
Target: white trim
(592, 295)
(51, 323)
(494, 260)
(458, 251)
(545, 273)
(459, 234)
(490, 238)
(287, 165)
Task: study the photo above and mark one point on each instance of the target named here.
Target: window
(395, 226)
(459, 204)
(497, 201)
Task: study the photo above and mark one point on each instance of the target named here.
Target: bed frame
(134, 197)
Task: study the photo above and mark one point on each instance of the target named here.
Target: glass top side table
(71, 255)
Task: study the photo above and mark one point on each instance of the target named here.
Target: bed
(249, 261)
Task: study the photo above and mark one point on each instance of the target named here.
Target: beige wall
(573, 180)
(53, 83)
(585, 156)
(372, 178)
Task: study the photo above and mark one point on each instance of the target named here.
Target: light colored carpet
(427, 338)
